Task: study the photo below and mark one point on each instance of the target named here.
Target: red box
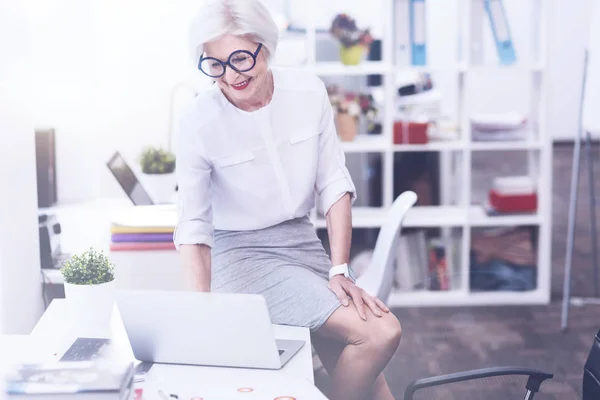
(406, 132)
(513, 203)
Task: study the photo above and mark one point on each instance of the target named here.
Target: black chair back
(591, 372)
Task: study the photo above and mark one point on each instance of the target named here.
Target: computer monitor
(128, 181)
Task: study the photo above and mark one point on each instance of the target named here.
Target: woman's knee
(390, 331)
(378, 334)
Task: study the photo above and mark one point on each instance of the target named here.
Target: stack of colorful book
(144, 228)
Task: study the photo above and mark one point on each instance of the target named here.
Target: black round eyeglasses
(239, 60)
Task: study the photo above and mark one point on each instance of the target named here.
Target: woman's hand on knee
(344, 288)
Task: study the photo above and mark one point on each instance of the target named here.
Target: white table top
(53, 335)
(54, 326)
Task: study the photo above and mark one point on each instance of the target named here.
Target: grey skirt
(285, 263)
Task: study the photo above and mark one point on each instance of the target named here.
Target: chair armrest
(533, 383)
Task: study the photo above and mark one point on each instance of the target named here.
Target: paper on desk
(210, 383)
(146, 217)
(281, 388)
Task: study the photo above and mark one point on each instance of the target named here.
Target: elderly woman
(253, 151)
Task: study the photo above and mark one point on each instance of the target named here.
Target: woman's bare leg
(329, 351)
(368, 346)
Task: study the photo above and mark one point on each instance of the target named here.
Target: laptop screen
(128, 181)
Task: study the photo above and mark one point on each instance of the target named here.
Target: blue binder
(501, 31)
(418, 32)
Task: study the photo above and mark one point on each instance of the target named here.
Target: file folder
(418, 32)
(402, 30)
(501, 31)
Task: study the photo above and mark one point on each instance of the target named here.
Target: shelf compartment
(478, 217)
(504, 260)
(366, 144)
(431, 146)
(362, 217)
(437, 216)
(417, 217)
(464, 298)
(336, 68)
(527, 67)
(506, 145)
(427, 97)
(428, 259)
(460, 67)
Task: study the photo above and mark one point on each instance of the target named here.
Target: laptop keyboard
(84, 349)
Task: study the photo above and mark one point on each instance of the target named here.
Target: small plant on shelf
(156, 161)
(91, 267)
(354, 42)
(355, 104)
(348, 107)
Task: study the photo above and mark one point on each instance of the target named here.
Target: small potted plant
(158, 169)
(89, 291)
(348, 107)
(354, 42)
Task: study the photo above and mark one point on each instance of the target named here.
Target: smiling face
(240, 87)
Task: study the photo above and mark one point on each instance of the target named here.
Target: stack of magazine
(70, 381)
(493, 127)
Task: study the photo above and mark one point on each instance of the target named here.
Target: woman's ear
(264, 55)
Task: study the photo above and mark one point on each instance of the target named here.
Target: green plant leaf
(157, 161)
(91, 267)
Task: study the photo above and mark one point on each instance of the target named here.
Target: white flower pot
(90, 308)
(160, 187)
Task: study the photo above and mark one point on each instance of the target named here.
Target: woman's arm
(196, 264)
(339, 230)
(193, 236)
(337, 191)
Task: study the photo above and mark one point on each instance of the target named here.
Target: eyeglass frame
(228, 62)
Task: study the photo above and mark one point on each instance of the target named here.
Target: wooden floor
(446, 340)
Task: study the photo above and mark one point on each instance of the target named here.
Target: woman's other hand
(344, 288)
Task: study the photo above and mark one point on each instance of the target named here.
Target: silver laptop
(214, 329)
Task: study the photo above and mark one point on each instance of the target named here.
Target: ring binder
(501, 31)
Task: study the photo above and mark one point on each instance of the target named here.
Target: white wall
(103, 80)
(565, 69)
(20, 280)
(105, 69)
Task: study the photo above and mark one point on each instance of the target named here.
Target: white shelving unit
(460, 215)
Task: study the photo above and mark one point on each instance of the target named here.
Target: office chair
(590, 383)
(378, 278)
(591, 372)
(536, 378)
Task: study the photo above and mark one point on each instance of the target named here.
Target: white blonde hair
(218, 18)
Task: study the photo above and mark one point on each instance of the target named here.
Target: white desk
(294, 379)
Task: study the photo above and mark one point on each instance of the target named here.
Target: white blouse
(239, 170)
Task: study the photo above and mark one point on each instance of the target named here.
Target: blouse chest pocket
(299, 137)
(238, 174)
(234, 160)
(304, 154)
